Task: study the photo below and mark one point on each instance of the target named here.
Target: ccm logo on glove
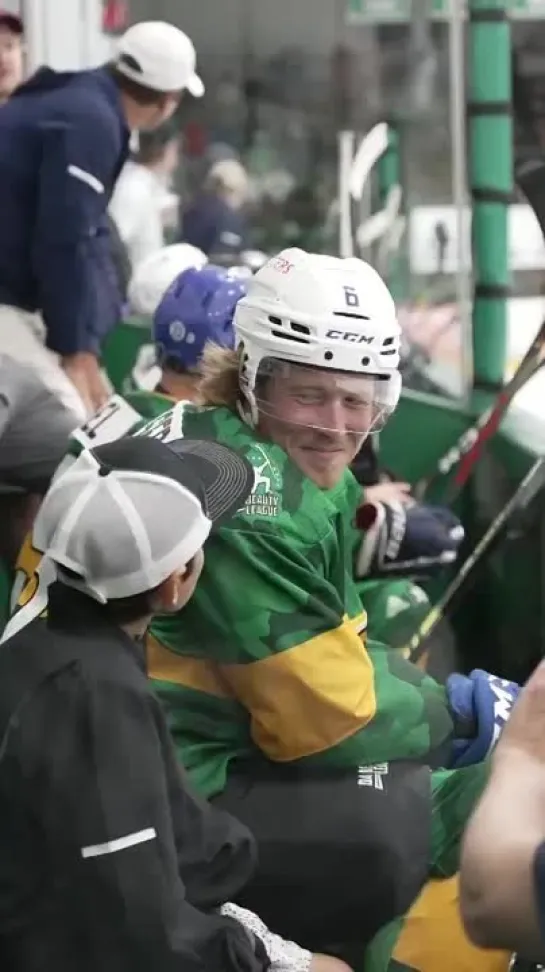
(481, 705)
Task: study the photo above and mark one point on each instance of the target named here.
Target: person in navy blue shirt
(502, 877)
(64, 138)
(215, 221)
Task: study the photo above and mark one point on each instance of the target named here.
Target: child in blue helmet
(197, 307)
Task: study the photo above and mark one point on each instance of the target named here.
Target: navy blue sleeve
(230, 233)
(72, 250)
(539, 885)
(198, 227)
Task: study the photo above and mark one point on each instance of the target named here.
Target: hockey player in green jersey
(164, 288)
(329, 747)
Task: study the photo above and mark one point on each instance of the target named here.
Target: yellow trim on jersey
(26, 572)
(433, 939)
(309, 698)
(193, 673)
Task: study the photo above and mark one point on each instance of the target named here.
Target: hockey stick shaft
(532, 483)
(530, 179)
(468, 449)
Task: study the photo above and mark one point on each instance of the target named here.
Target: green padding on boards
(122, 347)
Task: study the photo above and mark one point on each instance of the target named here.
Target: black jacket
(109, 860)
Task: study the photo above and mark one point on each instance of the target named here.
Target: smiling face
(320, 418)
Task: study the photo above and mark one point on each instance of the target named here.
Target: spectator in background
(64, 139)
(143, 191)
(11, 54)
(215, 222)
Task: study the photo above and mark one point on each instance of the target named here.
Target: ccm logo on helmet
(349, 336)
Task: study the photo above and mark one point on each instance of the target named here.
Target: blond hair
(229, 179)
(219, 384)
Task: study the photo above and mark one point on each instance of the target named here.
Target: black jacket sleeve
(108, 814)
(216, 853)
(72, 251)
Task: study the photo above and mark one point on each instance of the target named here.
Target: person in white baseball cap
(59, 288)
(159, 56)
(119, 830)
(153, 64)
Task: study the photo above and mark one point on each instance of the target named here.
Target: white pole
(460, 194)
(346, 142)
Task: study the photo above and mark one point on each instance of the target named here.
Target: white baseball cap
(126, 515)
(159, 56)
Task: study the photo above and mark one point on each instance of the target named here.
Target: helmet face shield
(335, 402)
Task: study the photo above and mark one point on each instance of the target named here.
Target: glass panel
(527, 248)
(283, 79)
(415, 56)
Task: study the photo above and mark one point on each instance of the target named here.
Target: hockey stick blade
(381, 223)
(354, 172)
(531, 485)
(369, 152)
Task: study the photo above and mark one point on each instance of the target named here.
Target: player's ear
(177, 589)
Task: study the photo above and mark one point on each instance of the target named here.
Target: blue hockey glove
(415, 539)
(480, 705)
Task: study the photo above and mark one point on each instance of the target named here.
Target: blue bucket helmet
(197, 307)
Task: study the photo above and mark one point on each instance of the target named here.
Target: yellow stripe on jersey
(26, 573)
(307, 699)
(193, 673)
(433, 939)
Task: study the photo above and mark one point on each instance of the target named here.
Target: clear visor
(332, 401)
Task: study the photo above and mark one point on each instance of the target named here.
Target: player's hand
(481, 705)
(389, 492)
(408, 539)
(85, 373)
(524, 735)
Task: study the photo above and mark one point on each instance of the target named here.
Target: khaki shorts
(22, 336)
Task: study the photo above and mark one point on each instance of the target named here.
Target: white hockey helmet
(322, 311)
(155, 273)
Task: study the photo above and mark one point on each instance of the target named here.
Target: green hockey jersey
(270, 655)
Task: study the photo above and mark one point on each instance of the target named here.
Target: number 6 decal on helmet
(351, 297)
